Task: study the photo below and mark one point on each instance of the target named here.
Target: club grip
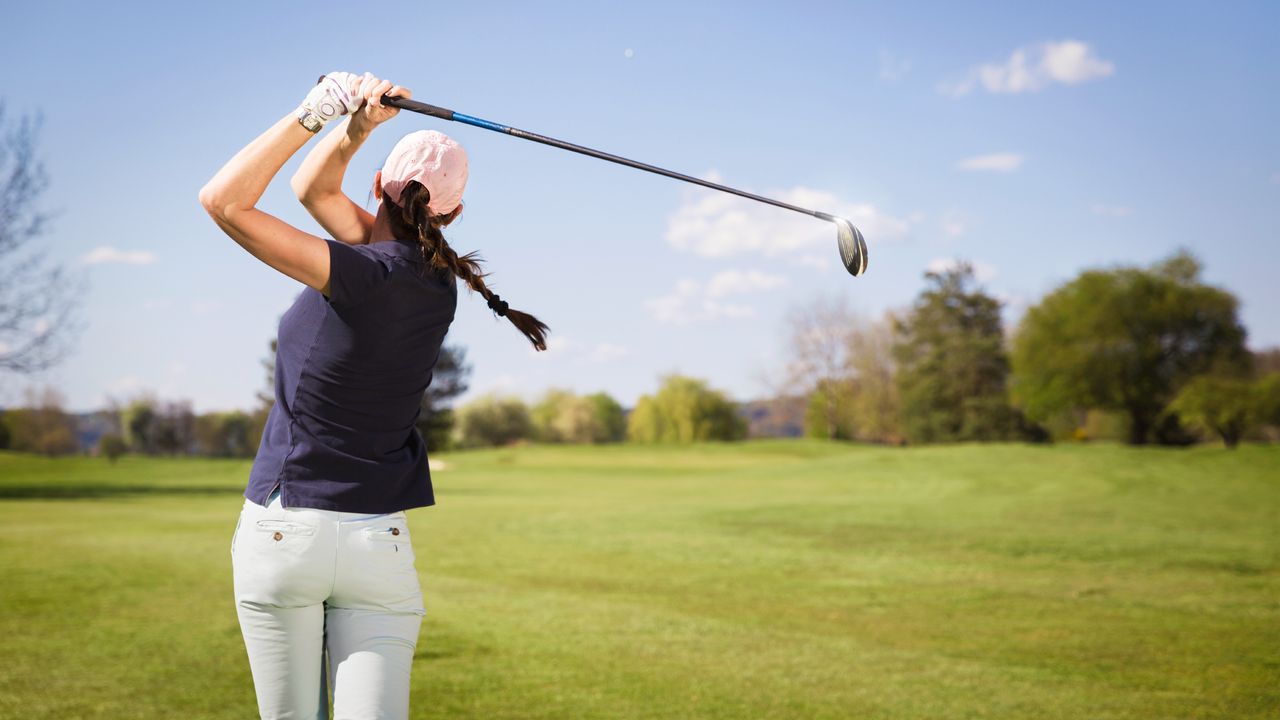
(418, 107)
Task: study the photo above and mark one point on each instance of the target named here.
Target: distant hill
(774, 417)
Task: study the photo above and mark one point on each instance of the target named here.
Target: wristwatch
(308, 119)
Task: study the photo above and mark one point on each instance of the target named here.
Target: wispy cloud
(1109, 210)
(1032, 68)
(692, 301)
(981, 270)
(108, 254)
(952, 225)
(996, 162)
(736, 282)
(715, 224)
(893, 69)
(604, 352)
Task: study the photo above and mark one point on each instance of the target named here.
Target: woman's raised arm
(318, 182)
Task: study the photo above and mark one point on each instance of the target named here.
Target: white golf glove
(334, 95)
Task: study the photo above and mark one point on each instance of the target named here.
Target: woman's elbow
(217, 203)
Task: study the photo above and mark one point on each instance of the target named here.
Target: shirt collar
(411, 251)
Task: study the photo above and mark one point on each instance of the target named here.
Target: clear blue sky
(1035, 141)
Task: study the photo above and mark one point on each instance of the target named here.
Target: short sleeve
(354, 273)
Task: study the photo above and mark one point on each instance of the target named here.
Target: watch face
(308, 120)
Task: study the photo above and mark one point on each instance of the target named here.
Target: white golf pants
(326, 599)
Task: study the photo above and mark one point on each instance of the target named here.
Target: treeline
(1140, 354)
(1146, 355)
(683, 409)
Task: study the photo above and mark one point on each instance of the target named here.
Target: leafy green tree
(42, 426)
(829, 414)
(611, 422)
(1126, 339)
(685, 410)
(952, 367)
(1268, 399)
(1224, 405)
(491, 420)
(111, 446)
(563, 417)
(224, 434)
(138, 424)
(554, 417)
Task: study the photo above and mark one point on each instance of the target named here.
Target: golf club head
(853, 249)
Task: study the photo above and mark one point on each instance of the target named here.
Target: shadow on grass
(83, 492)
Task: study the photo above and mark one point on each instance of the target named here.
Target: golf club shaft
(443, 114)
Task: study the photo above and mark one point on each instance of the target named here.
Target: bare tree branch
(39, 300)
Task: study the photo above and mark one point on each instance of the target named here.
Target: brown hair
(410, 220)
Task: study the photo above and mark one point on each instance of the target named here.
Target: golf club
(853, 248)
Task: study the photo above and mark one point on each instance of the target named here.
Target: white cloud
(817, 262)
(952, 226)
(734, 282)
(893, 69)
(715, 224)
(1034, 67)
(691, 302)
(982, 271)
(4, 347)
(1109, 210)
(40, 326)
(996, 162)
(108, 254)
(604, 352)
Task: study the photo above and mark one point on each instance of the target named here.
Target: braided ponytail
(411, 220)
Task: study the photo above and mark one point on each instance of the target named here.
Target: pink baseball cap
(433, 159)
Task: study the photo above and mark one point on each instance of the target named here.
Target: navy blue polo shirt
(350, 373)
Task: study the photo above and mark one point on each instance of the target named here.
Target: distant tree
(952, 367)
(1126, 339)
(138, 423)
(175, 427)
(224, 434)
(448, 381)
(818, 362)
(491, 420)
(39, 300)
(685, 410)
(6, 435)
(1227, 406)
(41, 426)
(153, 426)
(111, 446)
(611, 422)
(561, 416)
(1266, 361)
(829, 412)
(1267, 394)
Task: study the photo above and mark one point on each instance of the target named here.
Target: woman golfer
(326, 589)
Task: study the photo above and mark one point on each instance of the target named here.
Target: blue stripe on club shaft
(479, 122)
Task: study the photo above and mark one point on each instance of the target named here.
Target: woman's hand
(336, 94)
(374, 112)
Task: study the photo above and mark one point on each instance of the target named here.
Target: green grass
(772, 579)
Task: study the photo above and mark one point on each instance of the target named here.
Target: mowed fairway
(771, 579)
